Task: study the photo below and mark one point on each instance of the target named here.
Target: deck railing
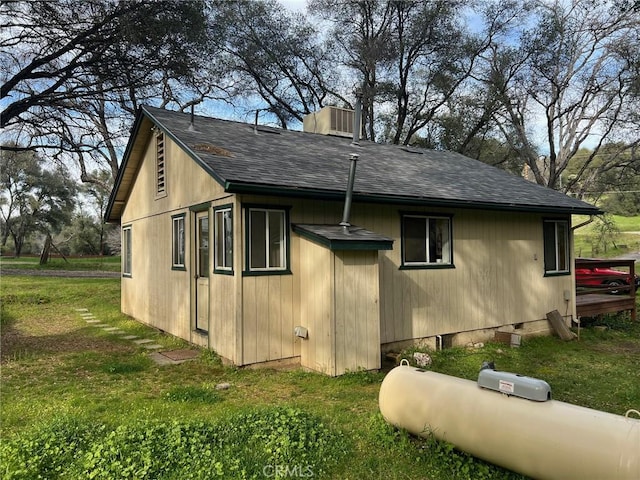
(606, 298)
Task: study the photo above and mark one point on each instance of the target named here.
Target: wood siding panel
(498, 277)
(156, 294)
(316, 307)
(357, 317)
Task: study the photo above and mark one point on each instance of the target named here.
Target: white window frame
(556, 247)
(429, 262)
(178, 244)
(283, 240)
(126, 251)
(223, 225)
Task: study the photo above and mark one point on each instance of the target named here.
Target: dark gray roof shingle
(244, 158)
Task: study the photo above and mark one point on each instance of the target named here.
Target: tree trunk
(44, 257)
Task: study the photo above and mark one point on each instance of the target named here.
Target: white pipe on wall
(544, 440)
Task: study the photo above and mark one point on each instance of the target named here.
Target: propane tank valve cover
(515, 385)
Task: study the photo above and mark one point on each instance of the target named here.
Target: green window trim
(223, 239)
(126, 251)
(556, 235)
(178, 242)
(267, 228)
(426, 241)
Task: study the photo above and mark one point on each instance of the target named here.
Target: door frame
(201, 287)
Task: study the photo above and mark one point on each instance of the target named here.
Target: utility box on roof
(330, 121)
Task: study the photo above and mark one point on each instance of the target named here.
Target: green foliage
(50, 450)
(191, 393)
(92, 263)
(239, 446)
(462, 466)
(34, 199)
(127, 409)
(605, 233)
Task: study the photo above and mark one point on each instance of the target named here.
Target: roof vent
(330, 121)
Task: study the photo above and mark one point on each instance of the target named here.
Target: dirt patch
(621, 347)
(16, 345)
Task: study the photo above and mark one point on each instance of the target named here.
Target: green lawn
(108, 264)
(628, 240)
(76, 399)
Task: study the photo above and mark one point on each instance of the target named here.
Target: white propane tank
(543, 440)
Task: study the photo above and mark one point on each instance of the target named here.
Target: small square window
(426, 241)
(267, 240)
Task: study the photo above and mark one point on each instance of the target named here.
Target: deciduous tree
(568, 81)
(32, 199)
(73, 69)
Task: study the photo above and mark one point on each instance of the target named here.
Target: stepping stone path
(94, 322)
(164, 358)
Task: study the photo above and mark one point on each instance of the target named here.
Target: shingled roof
(263, 160)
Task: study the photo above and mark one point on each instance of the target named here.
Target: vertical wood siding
(156, 294)
(316, 307)
(357, 312)
(498, 277)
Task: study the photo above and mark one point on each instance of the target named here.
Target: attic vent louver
(161, 186)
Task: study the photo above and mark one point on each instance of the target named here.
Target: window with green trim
(556, 246)
(223, 234)
(178, 242)
(426, 241)
(126, 251)
(267, 239)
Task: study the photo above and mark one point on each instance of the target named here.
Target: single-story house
(231, 239)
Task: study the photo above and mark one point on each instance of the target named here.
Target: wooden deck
(592, 302)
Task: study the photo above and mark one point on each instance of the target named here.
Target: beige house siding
(270, 304)
(339, 307)
(357, 311)
(498, 277)
(155, 294)
(498, 280)
(317, 283)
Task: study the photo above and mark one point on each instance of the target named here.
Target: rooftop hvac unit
(330, 121)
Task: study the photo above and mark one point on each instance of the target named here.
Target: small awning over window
(336, 237)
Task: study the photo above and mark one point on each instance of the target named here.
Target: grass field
(105, 264)
(628, 240)
(76, 398)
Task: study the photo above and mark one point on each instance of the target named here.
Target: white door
(202, 271)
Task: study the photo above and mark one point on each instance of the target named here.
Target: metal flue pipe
(346, 214)
(356, 117)
(352, 168)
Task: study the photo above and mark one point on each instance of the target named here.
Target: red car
(593, 277)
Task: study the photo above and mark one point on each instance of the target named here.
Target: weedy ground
(78, 402)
